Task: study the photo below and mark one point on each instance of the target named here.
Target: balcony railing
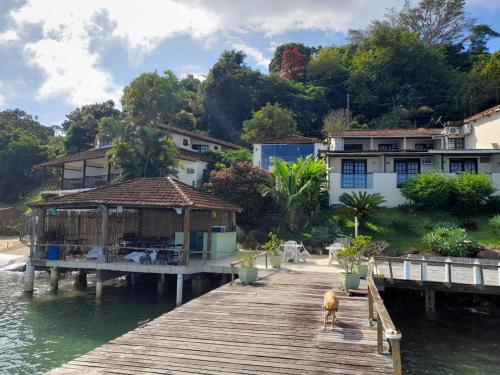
(356, 181)
(95, 181)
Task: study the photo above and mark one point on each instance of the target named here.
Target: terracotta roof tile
(424, 132)
(292, 139)
(482, 114)
(161, 192)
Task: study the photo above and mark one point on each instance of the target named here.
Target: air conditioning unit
(453, 130)
(427, 161)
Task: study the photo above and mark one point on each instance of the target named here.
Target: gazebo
(145, 207)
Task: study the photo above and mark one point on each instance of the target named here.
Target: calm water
(41, 333)
(464, 340)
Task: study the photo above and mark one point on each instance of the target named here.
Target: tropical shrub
(323, 235)
(450, 241)
(247, 258)
(494, 223)
(240, 183)
(468, 224)
(271, 246)
(361, 202)
(432, 189)
(471, 189)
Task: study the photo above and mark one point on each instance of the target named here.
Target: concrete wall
(383, 183)
(485, 133)
(192, 179)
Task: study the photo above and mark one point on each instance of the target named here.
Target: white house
(88, 169)
(383, 160)
(287, 148)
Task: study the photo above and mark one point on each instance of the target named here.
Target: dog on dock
(330, 307)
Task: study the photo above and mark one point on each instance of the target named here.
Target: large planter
(349, 281)
(362, 270)
(276, 261)
(248, 275)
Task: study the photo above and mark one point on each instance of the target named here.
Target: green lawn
(404, 230)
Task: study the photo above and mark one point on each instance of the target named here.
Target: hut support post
(185, 228)
(98, 285)
(430, 304)
(208, 250)
(29, 278)
(180, 284)
(40, 229)
(81, 279)
(54, 279)
(161, 285)
(104, 230)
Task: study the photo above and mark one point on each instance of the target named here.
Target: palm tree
(361, 203)
(297, 187)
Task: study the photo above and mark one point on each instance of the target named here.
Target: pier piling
(54, 279)
(180, 284)
(29, 278)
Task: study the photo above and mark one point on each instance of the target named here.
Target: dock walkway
(274, 327)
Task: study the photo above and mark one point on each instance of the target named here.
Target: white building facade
(381, 161)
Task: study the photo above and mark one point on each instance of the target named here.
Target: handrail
(385, 325)
(239, 261)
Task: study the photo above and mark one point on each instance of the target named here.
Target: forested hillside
(419, 67)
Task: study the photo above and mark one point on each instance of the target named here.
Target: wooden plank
(272, 328)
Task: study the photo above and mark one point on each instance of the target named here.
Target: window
(354, 174)
(405, 169)
(200, 148)
(286, 152)
(216, 147)
(190, 170)
(388, 147)
(185, 142)
(456, 143)
(353, 147)
(484, 159)
(463, 165)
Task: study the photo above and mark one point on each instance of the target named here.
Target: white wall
(383, 183)
(485, 132)
(192, 179)
(257, 154)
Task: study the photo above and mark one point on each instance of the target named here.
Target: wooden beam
(62, 177)
(233, 219)
(104, 228)
(209, 234)
(84, 173)
(185, 229)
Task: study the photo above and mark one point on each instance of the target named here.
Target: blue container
(53, 252)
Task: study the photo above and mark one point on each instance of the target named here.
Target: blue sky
(59, 54)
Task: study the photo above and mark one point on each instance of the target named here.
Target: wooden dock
(274, 327)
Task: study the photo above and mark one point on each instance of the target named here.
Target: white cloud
(253, 53)
(72, 69)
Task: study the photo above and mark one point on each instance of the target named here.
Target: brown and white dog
(330, 307)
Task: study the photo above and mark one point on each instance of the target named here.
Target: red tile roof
(419, 132)
(160, 192)
(482, 114)
(292, 139)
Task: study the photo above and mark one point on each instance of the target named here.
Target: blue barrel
(53, 252)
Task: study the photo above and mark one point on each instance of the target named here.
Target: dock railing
(233, 264)
(385, 326)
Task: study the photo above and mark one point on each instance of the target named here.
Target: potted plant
(271, 247)
(360, 243)
(247, 272)
(348, 257)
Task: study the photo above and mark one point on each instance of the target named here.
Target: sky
(56, 55)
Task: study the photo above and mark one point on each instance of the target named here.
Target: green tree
(269, 122)
(361, 202)
(23, 143)
(81, 125)
(144, 151)
(239, 183)
(471, 190)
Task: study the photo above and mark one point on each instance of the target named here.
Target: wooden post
(424, 276)
(209, 236)
(430, 304)
(84, 172)
(29, 278)
(104, 230)
(54, 279)
(395, 340)
(185, 228)
(62, 177)
(233, 220)
(161, 284)
(498, 265)
(40, 229)
(380, 336)
(447, 271)
(370, 305)
(180, 284)
(81, 279)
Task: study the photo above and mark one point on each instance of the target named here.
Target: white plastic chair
(337, 245)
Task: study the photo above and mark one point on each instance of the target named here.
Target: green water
(464, 340)
(40, 333)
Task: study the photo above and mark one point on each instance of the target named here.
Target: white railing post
(424, 275)
(498, 273)
(476, 273)
(407, 270)
(447, 271)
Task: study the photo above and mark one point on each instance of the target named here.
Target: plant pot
(276, 261)
(349, 281)
(248, 275)
(362, 270)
